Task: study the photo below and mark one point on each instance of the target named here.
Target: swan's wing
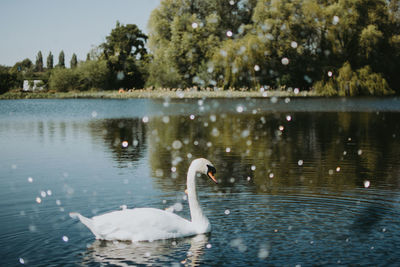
(141, 224)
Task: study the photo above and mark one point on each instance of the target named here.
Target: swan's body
(149, 224)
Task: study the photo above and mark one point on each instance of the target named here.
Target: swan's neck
(195, 209)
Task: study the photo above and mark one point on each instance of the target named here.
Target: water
(302, 181)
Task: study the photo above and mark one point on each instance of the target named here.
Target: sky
(74, 26)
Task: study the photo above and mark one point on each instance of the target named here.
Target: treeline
(120, 62)
(342, 47)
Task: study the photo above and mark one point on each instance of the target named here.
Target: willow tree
(304, 43)
(281, 43)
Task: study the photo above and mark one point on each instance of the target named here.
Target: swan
(148, 224)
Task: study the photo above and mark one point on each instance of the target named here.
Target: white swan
(148, 224)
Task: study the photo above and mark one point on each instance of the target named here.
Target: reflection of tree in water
(275, 151)
(125, 138)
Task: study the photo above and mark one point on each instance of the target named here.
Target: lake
(302, 182)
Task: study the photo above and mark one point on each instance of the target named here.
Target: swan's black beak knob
(211, 173)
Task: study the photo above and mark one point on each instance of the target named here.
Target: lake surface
(302, 181)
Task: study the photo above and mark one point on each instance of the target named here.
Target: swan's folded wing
(142, 224)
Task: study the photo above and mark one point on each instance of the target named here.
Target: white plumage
(149, 224)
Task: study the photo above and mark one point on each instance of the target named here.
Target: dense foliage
(8, 79)
(125, 52)
(329, 45)
(339, 47)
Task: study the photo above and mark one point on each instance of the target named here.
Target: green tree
(8, 79)
(185, 34)
(63, 80)
(74, 61)
(125, 53)
(61, 60)
(352, 83)
(298, 42)
(50, 60)
(93, 75)
(22, 70)
(39, 62)
(24, 66)
(89, 75)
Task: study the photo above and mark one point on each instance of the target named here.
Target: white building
(32, 85)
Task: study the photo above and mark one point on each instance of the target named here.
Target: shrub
(88, 75)
(63, 80)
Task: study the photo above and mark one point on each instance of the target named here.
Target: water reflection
(297, 188)
(276, 150)
(162, 252)
(267, 152)
(125, 138)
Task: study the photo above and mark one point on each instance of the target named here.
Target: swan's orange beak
(211, 175)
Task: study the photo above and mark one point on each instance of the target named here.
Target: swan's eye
(211, 169)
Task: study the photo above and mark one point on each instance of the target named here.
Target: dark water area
(302, 181)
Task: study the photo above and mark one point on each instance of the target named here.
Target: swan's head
(204, 166)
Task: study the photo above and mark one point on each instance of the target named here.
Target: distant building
(33, 85)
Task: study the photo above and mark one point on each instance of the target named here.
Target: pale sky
(75, 26)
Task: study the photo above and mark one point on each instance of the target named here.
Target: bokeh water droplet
(177, 144)
(125, 144)
(335, 20)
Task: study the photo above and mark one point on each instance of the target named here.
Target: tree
(50, 60)
(24, 66)
(287, 43)
(125, 53)
(8, 79)
(93, 74)
(185, 34)
(39, 62)
(74, 61)
(63, 80)
(61, 60)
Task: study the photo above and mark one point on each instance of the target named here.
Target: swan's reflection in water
(154, 253)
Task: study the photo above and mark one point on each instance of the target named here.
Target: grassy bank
(153, 93)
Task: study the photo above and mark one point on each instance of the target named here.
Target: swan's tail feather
(86, 221)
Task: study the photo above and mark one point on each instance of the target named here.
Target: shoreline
(155, 93)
